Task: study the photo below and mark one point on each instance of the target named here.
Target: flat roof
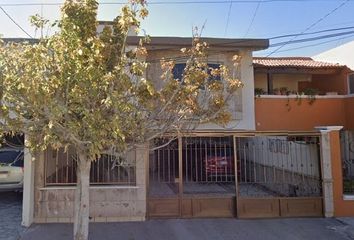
(180, 42)
(215, 43)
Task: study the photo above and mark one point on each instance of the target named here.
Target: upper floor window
(351, 83)
(178, 70)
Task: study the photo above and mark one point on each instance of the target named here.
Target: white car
(11, 169)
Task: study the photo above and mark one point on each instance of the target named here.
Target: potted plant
(258, 92)
(283, 90)
(276, 91)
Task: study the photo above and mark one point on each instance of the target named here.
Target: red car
(220, 165)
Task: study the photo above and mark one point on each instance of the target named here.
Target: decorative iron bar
(347, 150)
(208, 166)
(60, 169)
(164, 168)
(278, 166)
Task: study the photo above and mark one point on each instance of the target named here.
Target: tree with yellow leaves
(87, 91)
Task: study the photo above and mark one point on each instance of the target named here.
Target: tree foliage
(89, 91)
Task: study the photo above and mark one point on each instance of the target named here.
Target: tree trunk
(82, 201)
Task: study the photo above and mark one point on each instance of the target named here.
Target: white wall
(343, 55)
(297, 157)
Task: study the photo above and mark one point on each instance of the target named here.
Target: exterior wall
(241, 105)
(260, 81)
(328, 83)
(342, 54)
(108, 203)
(349, 108)
(290, 81)
(342, 207)
(273, 114)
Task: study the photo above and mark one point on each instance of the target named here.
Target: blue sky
(273, 18)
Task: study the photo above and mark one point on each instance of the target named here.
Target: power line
(228, 18)
(18, 25)
(309, 27)
(311, 39)
(313, 45)
(271, 46)
(253, 17)
(171, 2)
(311, 33)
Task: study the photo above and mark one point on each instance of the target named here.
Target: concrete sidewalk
(204, 229)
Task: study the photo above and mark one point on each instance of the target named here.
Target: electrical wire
(228, 18)
(252, 20)
(311, 39)
(311, 26)
(18, 25)
(317, 44)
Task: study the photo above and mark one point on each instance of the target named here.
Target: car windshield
(7, 157)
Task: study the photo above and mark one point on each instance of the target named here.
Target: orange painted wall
(328, 83)
(349, 108)
(272, 114)
(342, 208)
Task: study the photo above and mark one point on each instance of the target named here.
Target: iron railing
(347, 150)
(60, 169)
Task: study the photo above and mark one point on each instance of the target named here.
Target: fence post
(329, 150)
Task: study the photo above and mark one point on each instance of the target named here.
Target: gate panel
(164, 207)
(279, 176)
(209, 176)
(257, 208)
(164, 192)
(213, 207)
(301, 207)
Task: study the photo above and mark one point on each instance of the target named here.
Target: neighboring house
(269, 161)
(328, 100)
(304, 92)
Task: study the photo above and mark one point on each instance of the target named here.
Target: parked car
(220, 166)
(11, 169)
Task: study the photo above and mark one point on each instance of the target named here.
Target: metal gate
(280, 176)
(192, 177)
(227, 176)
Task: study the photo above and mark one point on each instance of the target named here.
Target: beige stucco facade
(111, 203)
(107, 203)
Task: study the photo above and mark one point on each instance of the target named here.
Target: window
(179, 69)
(351, 83)
(60, 169)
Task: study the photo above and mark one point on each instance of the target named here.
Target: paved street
(177, 229)
(10, 215)
(204, 229)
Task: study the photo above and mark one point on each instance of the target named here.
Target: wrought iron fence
(60, 169)
(347, 150)
(207, 166)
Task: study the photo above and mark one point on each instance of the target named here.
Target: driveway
(203, 229)
(10, 215)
